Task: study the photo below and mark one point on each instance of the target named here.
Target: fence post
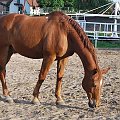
(96, 39)
(96, 42)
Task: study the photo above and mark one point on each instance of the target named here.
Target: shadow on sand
(28, 102)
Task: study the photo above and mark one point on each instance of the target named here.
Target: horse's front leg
(60, 73)
(47, 61)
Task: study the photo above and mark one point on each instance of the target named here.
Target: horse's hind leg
(3, 81)
(5, 55)
(60, 73)
(47, 61)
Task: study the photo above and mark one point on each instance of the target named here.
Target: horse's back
(33, 36)
(26, 35)
(6, 22)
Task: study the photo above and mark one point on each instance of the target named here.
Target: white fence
(101, 31)
(94, 30)
(34, 11)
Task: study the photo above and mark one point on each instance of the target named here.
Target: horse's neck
(87, 58)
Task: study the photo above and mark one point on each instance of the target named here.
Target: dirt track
(22, 74)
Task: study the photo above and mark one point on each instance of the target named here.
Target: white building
(23, 6)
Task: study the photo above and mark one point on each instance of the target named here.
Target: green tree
(69, 3)
(90, 4)
(44, 3)
(56, 4)
(75, 4)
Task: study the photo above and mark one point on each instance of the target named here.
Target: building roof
(30, 2)
(6, 0)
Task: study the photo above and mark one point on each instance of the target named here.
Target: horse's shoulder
(6, 21)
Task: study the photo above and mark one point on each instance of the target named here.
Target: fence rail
(95, 30)
(101, 31)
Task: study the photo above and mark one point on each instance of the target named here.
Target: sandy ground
(22, 74)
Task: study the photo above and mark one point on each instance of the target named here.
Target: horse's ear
(104, 71)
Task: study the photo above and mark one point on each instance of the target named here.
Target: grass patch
(107, 43)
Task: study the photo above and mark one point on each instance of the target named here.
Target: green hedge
(107, 43)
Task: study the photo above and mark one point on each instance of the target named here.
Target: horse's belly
(35, 53)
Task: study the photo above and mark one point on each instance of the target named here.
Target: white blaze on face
(101, 81)
(46, 17)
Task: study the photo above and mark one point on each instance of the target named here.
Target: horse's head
(92, 84)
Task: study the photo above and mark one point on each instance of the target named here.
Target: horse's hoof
(60, 102)
(36, 101)
(9, 99)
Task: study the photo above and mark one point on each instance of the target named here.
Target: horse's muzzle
(92, 103)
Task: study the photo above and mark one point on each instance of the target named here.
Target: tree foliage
(69, 3)
(57, 3)
(44, 3)
(90, 4)
(76, 4)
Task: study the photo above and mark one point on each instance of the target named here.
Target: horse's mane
(84, 38)
(87, 43)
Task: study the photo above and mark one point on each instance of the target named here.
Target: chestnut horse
(55, 36)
